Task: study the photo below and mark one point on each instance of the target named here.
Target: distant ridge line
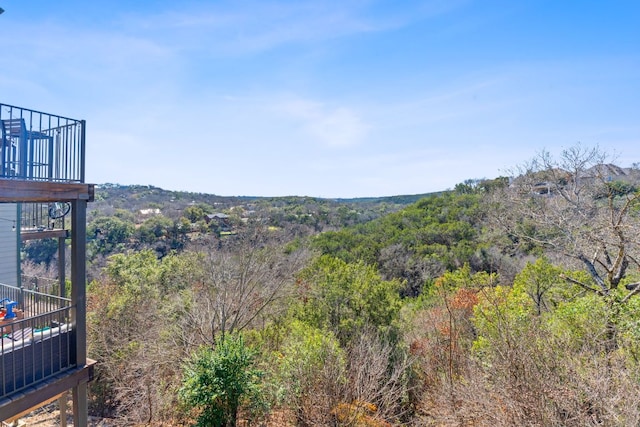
(399, 199)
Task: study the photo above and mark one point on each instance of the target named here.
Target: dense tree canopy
(416, 244)
(503, 302)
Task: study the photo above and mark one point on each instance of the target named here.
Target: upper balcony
(42, 185)
(39, 146)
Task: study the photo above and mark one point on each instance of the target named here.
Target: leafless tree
(377, 376)
(584, 208)
(244, 282)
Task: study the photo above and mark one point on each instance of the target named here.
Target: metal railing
(44, 216)
(40, 146)
(45, 285)
(36, 344)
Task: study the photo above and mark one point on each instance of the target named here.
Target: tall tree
(242, 279)
(348, 299)
(583, 208)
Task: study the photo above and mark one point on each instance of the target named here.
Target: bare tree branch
(583, 285)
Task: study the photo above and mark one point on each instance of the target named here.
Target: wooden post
(80, 406)
(78, 303)
(62, 403)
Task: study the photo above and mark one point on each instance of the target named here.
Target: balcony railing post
(83, 130)
(61, 268)
(20, 296)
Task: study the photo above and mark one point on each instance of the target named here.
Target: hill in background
(145, 200)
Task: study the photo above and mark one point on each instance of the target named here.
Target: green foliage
(124, 215)
(438, 232)
(130, 299)
(140, 281)
(41, 251)
(304, 353)
(616, 189)
(142, 275)
(500, 317)
(310, 368)
(124, 320)
(469, 186)
(195, 213)
(473, 186)
(523, 346)
(580, 324)
(218, 381)
(347, 245)
(446, 331)
(180, 271)
(464, 278)
(546, 284)
(107, 233)
(543, 298)
(133, 321)
(489, 185)
(134, 270)
(154, 228)
(346, 298)
(629, 329)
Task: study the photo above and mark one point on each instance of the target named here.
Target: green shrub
(218, 381)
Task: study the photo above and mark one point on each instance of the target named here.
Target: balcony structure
(42, 195)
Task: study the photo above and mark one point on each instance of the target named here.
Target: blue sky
(326, 98)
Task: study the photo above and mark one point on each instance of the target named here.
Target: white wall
(9, 244)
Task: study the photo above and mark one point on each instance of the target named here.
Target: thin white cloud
(332, 126)
(248, 27)
(232, 27)
(96, 63)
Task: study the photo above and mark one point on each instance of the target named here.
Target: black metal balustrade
(36, 344)
(45, 285)
(44, 216)
(40, 146)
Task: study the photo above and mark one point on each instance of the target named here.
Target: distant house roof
(217, 216)
(155, 211)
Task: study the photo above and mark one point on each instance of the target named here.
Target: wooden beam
(30, 410)
(15, 190)
(44, 234)
(32, 397)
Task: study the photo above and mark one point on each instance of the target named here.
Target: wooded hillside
(503, 302)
